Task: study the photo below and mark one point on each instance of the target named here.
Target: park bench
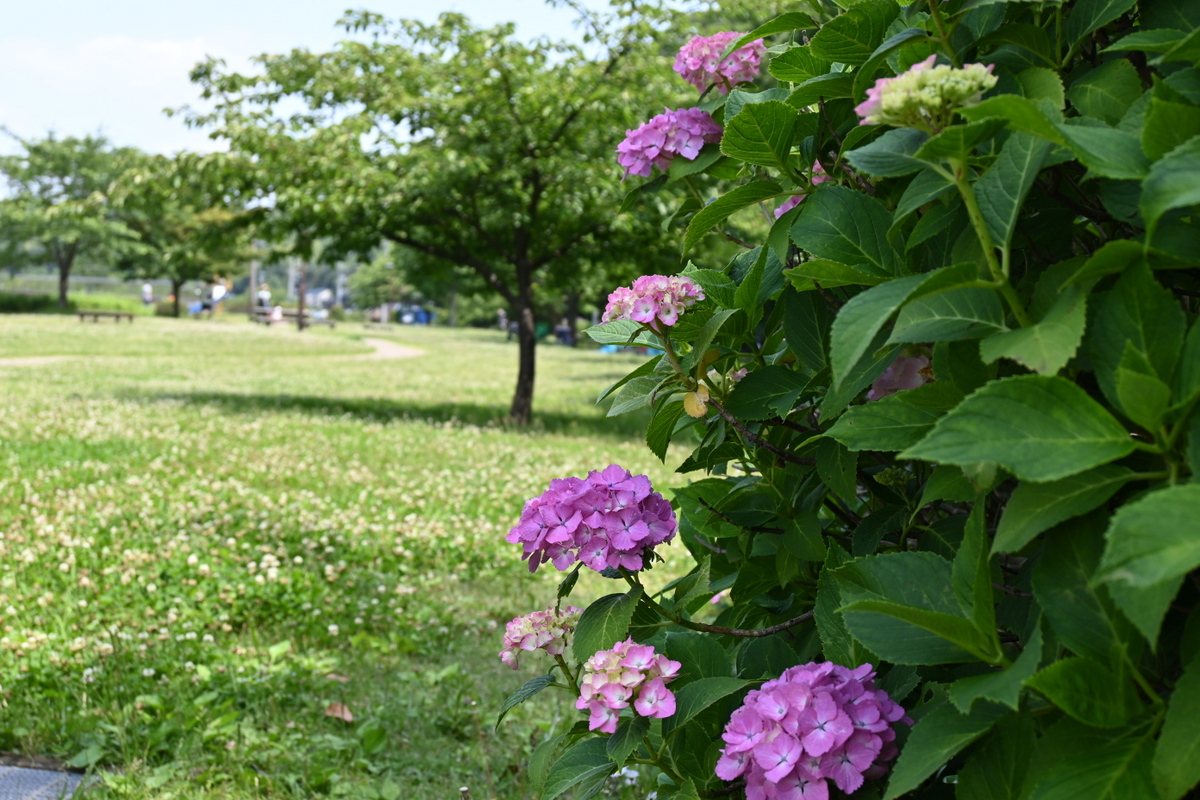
(264, 316)
(96, 315)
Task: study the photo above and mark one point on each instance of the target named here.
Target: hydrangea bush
(941, 414)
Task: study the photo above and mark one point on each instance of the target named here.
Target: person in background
(147, 293)
(502, 319)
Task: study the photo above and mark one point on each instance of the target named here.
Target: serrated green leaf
(1167, 126)
(1088, 15)
(720, 209)
(934, 740)
(1107, 91)
(1040, 83)
(1001, 190)
(1037, 507)
(1003, 685)
(997, 770)
(604, 623)
(1173, 182)
(766, 393)
(848, 227)
(797, 65)
(891, 155)
(865, 75)
(886, 425)
(1088, 691)
(1152, 539)
(582, 764)
(694, 698)
(951, 315)
(1176, 763)
(1038, 428)
(1081, 761)
(837, 643)
(762, 134)
(958, 141)
(852, 37)
(1046, 346)
(620, 745)
(531, 687)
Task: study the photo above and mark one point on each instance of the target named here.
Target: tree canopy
(464, 144)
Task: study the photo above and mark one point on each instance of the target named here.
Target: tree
(462, 144)
(185, 222)
(58, 209)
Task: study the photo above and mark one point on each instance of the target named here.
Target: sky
(84, 66)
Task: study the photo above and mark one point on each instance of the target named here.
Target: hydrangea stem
(678, 619)
(998, 270)
(562, 663)
(943, 36)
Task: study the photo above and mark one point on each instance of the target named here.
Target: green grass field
(211, 531)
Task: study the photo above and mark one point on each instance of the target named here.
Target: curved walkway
(383, 349)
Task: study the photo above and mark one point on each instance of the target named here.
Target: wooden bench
(265, 317)
(96, 315)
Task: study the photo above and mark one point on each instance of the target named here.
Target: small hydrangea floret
(925, 96)
(609, 520)
(700, 63)
(657, 142)
(816, 723)
(819, 176)
(551, 630)
(906, 372)
(628, 674)
(653, 300)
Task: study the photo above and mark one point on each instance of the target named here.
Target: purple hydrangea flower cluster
(673, 133)
(816, 722)
(608, 520)
(653, 300)
(819, 176)
(551, 630)
(906, 372)
(629, 671)
(700, 63)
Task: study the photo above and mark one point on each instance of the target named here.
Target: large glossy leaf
(852, 37)
(864, 75)
(1088, 691)
(860, 320)
(1140, 313)
(1106, 92)
(848, 227)
(1001, 685)
(1088, 15)
(1154, 538)
(935, 739)
(766, 393)
(1046, 346)
(1084, 762)
(1167, 126)
(806, 326)
(997, 770)
(891, 155)
(1177, 757)
(1037, 507)
(604, 623)
(903, 607)
(1173, 182)
(694, 698)
(1001, 190)
(1082, 616)
(1038, 428)
(720, 209)
(761, 134)
(797, 65)
(955, 314)
(885, 425)
(627, 738)
(830, 275)
(838, 645)
(585, 764)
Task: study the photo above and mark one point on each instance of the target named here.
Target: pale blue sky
(81, 66)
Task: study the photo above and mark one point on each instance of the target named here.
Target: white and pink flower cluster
(700, 63)
(629, 671)
(653, 300)
(608, 520)
(551, 630)
(819, 176)
(673, 133)
(925, 96)
(815, 723)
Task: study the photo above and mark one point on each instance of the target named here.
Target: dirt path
(389, 349)
(33, 361)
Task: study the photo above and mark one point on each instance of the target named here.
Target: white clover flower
(148, 672)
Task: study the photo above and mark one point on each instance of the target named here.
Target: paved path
(18, 783)
(389, 349)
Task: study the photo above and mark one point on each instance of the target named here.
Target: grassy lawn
(212, 531)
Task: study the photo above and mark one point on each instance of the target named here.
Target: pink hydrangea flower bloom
(550, 630)
(610, 519)
(906, 372)
(629, 670)
(816, 723)
(700, 63)
(655, 143)
(653, 300)
(819, 176)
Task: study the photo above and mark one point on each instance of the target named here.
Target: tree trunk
(176, 288)
(303, 291)
(573, 316)
(64, 279)
(522, 403)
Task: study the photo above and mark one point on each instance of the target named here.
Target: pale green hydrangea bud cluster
(926, 96)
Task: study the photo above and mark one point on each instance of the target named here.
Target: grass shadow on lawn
(626, 426)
